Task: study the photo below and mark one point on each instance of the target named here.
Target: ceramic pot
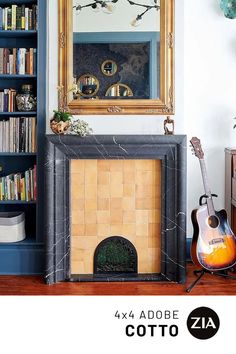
(59, 127)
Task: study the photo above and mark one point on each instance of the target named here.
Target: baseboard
(26, 260)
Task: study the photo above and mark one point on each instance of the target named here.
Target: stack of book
(18, 61)
(19, 186)
(18, 18)
(8, 100)
(18, 135)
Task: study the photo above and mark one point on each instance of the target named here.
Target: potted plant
(63, 120)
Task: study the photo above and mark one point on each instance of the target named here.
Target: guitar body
(213, 244)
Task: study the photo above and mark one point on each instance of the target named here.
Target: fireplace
(115, 208)
(115, 255)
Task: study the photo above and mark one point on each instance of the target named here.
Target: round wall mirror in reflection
(109, 67)
(88, 85)
(119, 90)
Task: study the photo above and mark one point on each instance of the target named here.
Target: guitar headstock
(197, 148)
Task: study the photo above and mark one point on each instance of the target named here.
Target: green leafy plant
(60, 116)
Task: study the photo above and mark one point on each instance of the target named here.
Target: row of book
(18, 18)
(18, 135)
(18, 61)
(19, 186)
(8, 100)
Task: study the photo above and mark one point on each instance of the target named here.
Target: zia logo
(203, 323)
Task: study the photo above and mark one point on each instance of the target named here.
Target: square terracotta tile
(104, 230)
(129, 190)
(116, 190)
(103, 177)
(116, 165)
(77, 216)
(90, 204)
(103, 217)
(103, 165)
(77, 230)
(90, 191)
(116, 217)
(103, 204)
(90, 217)
(103, 191)
(77, 165)
(128, 203)
(116, 203)
(91, 230)
(129, 217)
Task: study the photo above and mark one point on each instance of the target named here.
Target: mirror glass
(118, 43)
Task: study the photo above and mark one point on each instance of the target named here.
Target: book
(18, 17)
(18, 61)
(19, 186)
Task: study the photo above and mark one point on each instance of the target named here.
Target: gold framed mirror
(152, 79)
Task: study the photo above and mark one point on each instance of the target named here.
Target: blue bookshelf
(27, 256)
(17, 34)
(15, 77)
(15, 114)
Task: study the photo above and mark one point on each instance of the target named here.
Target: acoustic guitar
(214, 243)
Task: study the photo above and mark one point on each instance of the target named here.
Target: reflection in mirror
(119, 90)
(88, 85)
(131, 44)
(109, 67)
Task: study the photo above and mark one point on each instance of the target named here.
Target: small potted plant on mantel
(63, 121)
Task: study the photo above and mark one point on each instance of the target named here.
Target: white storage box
(12, 226)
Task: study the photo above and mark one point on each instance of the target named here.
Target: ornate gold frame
(162, 106)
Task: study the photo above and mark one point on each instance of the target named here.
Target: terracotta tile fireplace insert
(115, 198)
(115, 208)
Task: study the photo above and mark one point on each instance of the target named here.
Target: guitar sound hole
(213, 221)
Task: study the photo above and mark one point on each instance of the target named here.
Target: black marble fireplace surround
(171, 150)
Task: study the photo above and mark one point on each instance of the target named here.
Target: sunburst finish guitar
(214, 243)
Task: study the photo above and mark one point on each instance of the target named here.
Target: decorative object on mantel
(229, 8)
(79, 127)
(26, 101)
(63, 121)
(60, 122)
(169, 126)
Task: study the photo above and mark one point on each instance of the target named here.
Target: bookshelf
(26, 257)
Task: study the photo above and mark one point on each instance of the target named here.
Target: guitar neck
(210, 205)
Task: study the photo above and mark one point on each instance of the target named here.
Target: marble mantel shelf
(171, 150)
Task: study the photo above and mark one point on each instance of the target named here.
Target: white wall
(210, 91)
(205, 90)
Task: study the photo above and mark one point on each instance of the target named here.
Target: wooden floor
(34, 285)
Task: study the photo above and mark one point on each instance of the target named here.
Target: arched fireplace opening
(115, 255)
